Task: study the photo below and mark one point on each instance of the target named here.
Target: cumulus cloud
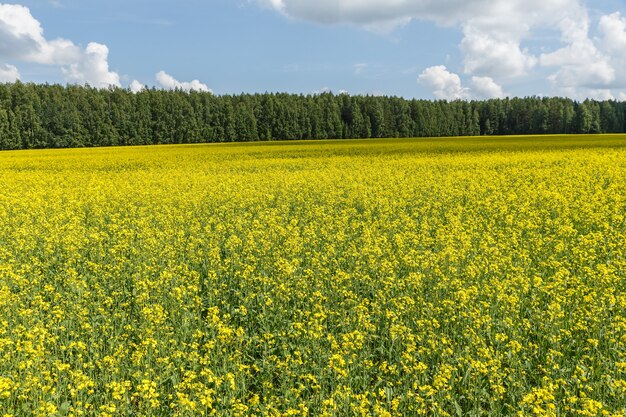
(612, 43)
(510, 17)
(589, 66)
(489, 56)
(93, 68)
(376, 12)
(166, 81)
(613, 33)
(485, 88)
(599, 94)
(8, 74)
(136, 86)
(493, 29)
(494, 35)
(22, 38)
(446, 85)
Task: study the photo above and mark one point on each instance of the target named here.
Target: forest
(55, 116)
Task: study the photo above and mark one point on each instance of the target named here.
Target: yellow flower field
(450, 277)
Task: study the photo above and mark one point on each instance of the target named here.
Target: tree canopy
(53, 116)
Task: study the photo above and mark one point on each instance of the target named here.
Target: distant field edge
(444, 144)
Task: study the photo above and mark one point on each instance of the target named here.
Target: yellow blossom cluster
(445, 277)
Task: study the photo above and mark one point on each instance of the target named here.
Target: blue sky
(413, 48)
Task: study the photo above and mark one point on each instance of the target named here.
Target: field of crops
(449, 277)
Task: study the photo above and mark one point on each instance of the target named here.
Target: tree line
(54, 116)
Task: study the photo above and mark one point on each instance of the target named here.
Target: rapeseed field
(449, 277)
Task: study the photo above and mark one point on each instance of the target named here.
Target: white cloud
(583, 67)
(136, 86)
(22, 38)
(444, 84)
(380, 12)
(495, 34)
(93, 68)
(510, 17)
(612, 42)
(486, 87)
(8, 74)
(493, 29)
(168, 82)
(613, 30)
(486, 55)
(600, 94)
